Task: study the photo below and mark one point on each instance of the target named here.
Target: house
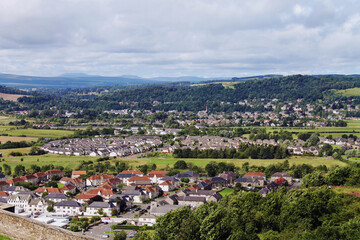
(209, 195)
(135, 172)
(167, 186)
(152, 192)
(155, 177)
(175, 180)
(147, 219)
(250, 182)
(65, 180)
(4, 185)
(259, 175)
(21, 200)
(2, 177)
(104, 193)
(191, 201)
(137, 195)
(76, 174)
(16, 189)
(56, 197)
(4, 194)
(78, 183)
(88, 198)
(68, 207)
(194, 187)
(97, 180)
(124, 177)
(30, 178)
(160, 210)
(228, 176)
(93, 208)
(41, 177)
(37, 205)
(47, 189)
(192, 176)
(218, 182)
(12, 181)
(68, 188)
(139, 181)
(277, 175)
(124, 202)
(55, 172)
(113, 182)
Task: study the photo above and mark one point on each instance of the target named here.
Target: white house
(93, 208)
(147, 219)
(68, 207)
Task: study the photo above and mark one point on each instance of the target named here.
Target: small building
(68, 207)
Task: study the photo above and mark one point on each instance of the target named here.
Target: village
(130, 196)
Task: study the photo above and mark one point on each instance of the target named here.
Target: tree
(314, 179)
(120, 235)
(19, 170)
(74, 228)
(181, 164)
(50, 209)
(100, 211)
(7, 169)
(211, 169)
(185, 180)
(114, 212)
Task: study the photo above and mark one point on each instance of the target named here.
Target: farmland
(30, 132)
(350, 92)
(161, 162)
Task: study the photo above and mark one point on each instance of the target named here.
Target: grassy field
(161, 162)
(226, 192)
(29, 132)
(2, 237)
(4, 120)
(4, 139)
(346, 189)
(352, 128)
(350, 92)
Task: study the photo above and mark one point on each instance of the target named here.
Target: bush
(125, 227)
(74, 228)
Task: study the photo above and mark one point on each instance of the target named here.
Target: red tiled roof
(78, 172)
(3, 194)
(54, 172)
(65, 179)
(14, 180)
(86, 196)
(138, 179)
(157, 175)
(155, 172)
(260, 174)
(47, 189)
(100, 191)
(28, 177)
(194, 187)
(39, 174)
(77, 180)
(3, 183)
(101, 176)
(207, 181)
(67, 187)
(168, 182)
(132, 171)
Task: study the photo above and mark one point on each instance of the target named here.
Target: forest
(196, 98)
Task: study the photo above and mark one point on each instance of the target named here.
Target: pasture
(30, 132)
(350, 92)
(161, 162)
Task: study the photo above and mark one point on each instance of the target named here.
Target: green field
(161, 162)
(353, 127)
(350, 92)
(29, 132)
(2, 237)
(226, 192)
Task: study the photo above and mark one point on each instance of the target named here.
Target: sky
(206, 38)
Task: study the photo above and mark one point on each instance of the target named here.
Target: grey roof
(101, 205)
(3, 200)
(187, 174)
(281, 174)
(164, 209)
(217, 179)
(133, 193)
(125, 175)
(16, 188)
(56, 196)
(68, 204)
(201, 192)
(246, 180)
(192, 199)
(172, 178)
(2, 175)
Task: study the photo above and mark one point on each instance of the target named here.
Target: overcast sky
(179, 38)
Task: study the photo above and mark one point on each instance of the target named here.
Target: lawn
(162, 162)
(346, 189)
(29, 132)
(4, 139)
(350, 92)
(226, 192)
(2, 237)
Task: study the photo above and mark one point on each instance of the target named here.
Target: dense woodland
(194, 98)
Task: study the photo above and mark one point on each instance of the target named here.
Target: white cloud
(162, 37)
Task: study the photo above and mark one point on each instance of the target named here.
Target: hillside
(195, 98)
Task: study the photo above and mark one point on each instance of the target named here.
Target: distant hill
(80, 80)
